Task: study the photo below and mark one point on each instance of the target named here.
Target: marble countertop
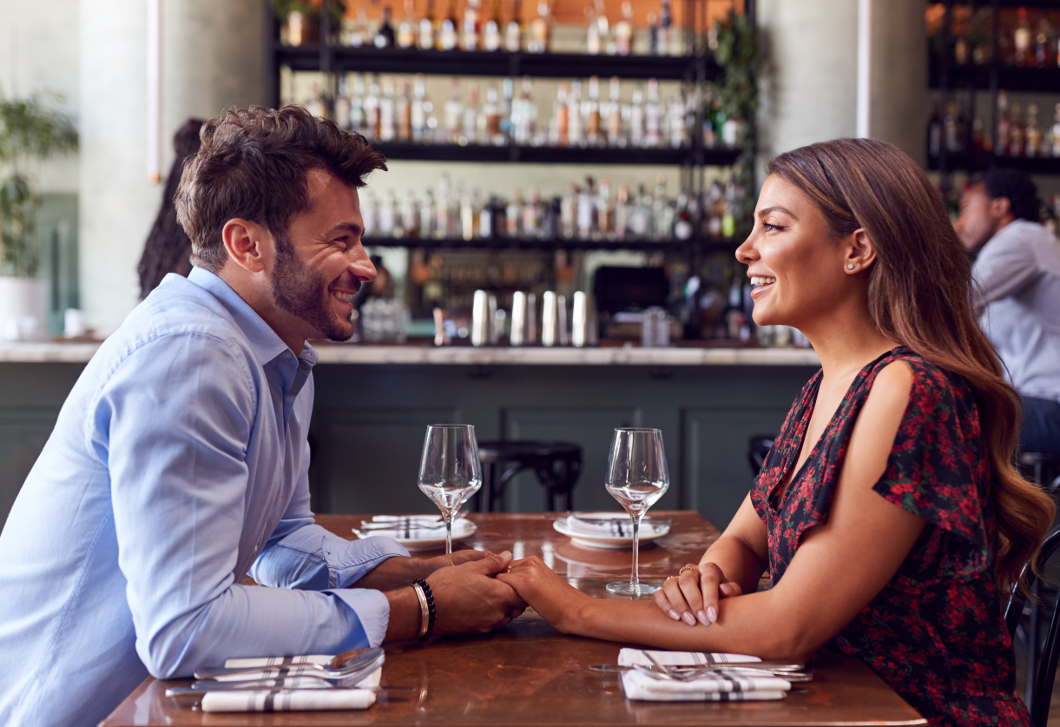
(466, 355)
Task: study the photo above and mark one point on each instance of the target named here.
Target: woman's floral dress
(935, 633)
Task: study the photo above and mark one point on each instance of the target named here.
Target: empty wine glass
(637, 476)
(450, 471)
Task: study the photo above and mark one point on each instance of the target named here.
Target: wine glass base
(626, 588)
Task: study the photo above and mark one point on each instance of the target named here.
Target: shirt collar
(263, 340)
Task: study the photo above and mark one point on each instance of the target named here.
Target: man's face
(979, 218)
(321, 263)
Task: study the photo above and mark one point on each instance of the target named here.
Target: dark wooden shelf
(458, 63)
(981, 161)
(557, 154)
(525, 243)
(1009, 78)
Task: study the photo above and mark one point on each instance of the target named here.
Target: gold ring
(508, 569)
(687, 568)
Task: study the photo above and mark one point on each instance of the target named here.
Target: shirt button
(287, 354)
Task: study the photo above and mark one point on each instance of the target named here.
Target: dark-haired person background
(1017, 274)
(179, 462)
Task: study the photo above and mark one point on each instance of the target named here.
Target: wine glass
(636, 476)
(450, 471)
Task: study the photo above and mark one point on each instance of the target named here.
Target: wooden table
(528, 674)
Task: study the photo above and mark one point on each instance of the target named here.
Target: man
(1017, 273)
(178, 464)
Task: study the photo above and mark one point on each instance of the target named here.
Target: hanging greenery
(29, 131)
(736, 53)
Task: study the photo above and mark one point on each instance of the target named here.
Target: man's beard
(303, 292)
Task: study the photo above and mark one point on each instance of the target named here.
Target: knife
(765, 665)
(221, 687)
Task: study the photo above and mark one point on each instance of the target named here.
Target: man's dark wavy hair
(253, 164)
(1018, 188)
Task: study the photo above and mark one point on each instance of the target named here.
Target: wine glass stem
(634, 580)
(449, 533)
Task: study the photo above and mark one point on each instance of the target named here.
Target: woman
(888, 513)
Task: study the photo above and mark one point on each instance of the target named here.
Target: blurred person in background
(1017, 296)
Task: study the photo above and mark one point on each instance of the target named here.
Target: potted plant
(29, 133)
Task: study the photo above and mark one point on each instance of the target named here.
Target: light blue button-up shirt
(178, 465)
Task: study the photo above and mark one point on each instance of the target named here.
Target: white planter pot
(23, 309)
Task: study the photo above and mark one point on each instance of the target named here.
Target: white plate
(462, 529)
(609, 542)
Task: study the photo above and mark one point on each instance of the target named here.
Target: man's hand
(467, 597)
(398, 572)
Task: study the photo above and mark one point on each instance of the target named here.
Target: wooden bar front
(528, 674)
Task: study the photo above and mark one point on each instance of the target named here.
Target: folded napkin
(306, 700)
(604, 525)
(301, 694)
(415, 527)
(720, 686)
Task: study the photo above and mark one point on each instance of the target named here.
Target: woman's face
(795, 265)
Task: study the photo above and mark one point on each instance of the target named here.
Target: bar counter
(373, 402)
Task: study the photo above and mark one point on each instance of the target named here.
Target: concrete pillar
(809, 87)
(212, 57)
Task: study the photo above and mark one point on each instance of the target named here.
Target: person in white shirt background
(1017, 296)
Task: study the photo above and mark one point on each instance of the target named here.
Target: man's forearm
(395, 573)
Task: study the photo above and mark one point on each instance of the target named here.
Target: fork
(342, 666)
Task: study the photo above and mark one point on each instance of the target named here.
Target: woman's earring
(850, 266)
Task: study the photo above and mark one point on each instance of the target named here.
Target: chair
(1041, 667)
(557, 465)
(757, 449)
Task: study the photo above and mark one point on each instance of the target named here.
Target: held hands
(692, 596)
(468, 597)
(550, 595)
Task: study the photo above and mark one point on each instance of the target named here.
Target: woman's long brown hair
(920, 294)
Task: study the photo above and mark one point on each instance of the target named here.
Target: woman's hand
(693, 594)
(556, 600)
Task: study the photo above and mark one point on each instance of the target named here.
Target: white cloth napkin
(719, 686)
(416, 527)
(306, 700)
(307, 695)
(603, 525)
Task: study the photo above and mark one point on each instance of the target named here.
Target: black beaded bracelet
(430, 609)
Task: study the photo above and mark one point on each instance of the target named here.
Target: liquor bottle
(513, 214)
(676, 120)
(387, 215)
(470, 126)
(505, 110)
(1032, 135)
(684, 216)
(524, 114)
(421, 108)
(662, 211)
(540, 30)
(472, 27)
(387, 111)
(653, 115)
(408, 219)
(568, 212)
(605, 215)
(425, 214)
(622, 213)
(533, 213)
(653, 34)
(614, 114)
(487, 216)
(1015, 131)
(1056, 132)
(467, 217)
(1045, 43)
(454, 113)
(491, 34)
(1002, 140)
(979, 140)
(404, 113)
(663, 40)
(560, 117)
(513, 31)
(586, 210)
(575, 121)
(447, 37)
(407, 28)
(342, 105)
(371, 109)
(491, 114)
(641, 221)
(728, 216)
(1024, 56)
(599, 29)
(357, 120)
(369, 214)
(429, 25)
(624, 31)
(949, 128)
(636, 117)
(592, 124)
(384, 36)
(442, 224)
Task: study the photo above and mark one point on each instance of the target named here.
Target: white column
(212, 57)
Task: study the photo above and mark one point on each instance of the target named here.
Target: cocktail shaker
(583, 323)
(524, 319)
(482, 319)
(553, 319)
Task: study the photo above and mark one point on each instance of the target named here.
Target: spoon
(341, 666)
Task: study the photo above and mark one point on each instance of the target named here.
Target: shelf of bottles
(1005, 48)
